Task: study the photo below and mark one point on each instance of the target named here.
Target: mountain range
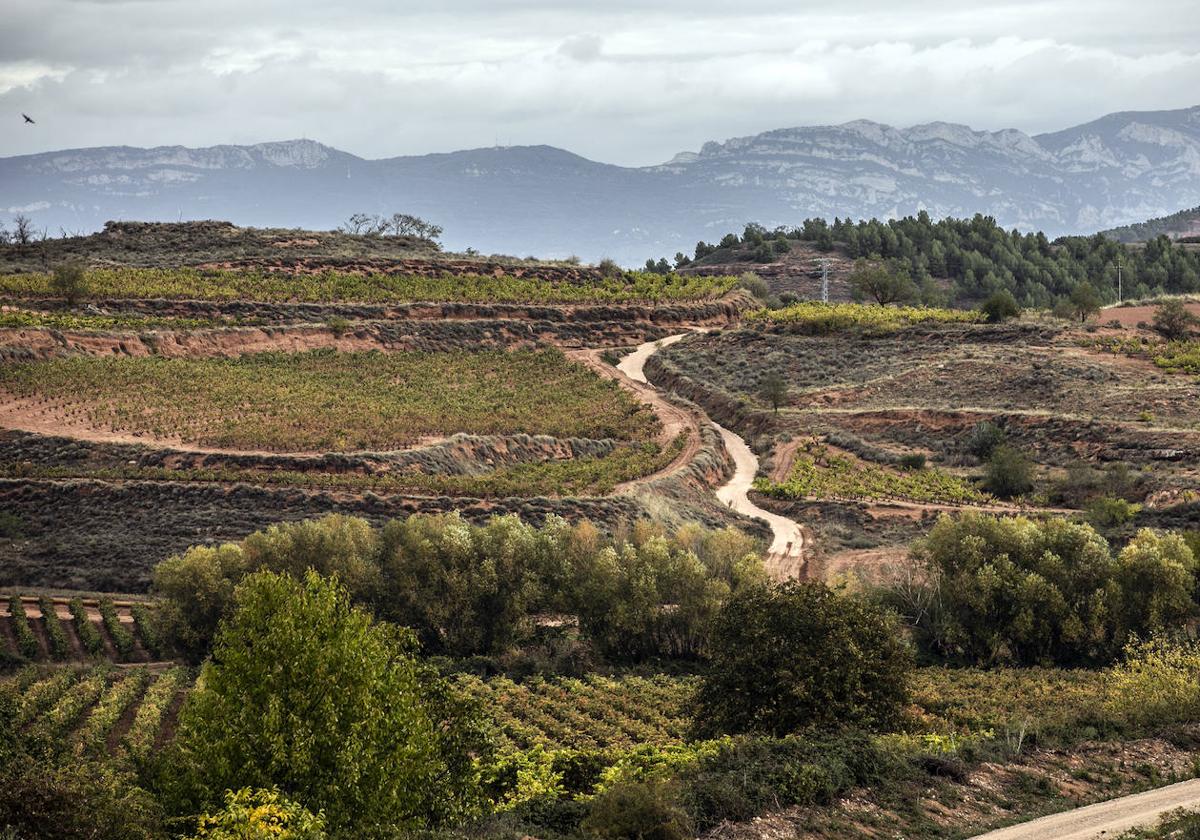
(1119, 169)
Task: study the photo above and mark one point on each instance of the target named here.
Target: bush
(1000, 307)
(1157, 684)
(1173, 321)
(802, 654)
(69, 282)
(913, 461)
(27, 644)
(1009, 473)
(60, 646)
(646, 811)
(260, 815)
(88, 635)
(1107, 512)
(755, 285)
(984, 439)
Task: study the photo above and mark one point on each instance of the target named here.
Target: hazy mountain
(1119, 169)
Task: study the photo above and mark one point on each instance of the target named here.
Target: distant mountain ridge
(1117, 170)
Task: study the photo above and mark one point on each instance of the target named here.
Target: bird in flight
(28, 119)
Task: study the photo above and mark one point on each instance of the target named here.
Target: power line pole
(1118, 278)
(824, 281)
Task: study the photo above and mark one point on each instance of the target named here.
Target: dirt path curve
(1104, 819)
(786, 555)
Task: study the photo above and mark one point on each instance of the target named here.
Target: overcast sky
(620, 81)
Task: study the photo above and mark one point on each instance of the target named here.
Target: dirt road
(785, 556)
(1104, 819)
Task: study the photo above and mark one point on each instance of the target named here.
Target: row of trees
(479, 590)
(398, 224)
(1019, 591)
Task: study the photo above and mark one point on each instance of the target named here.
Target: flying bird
(28, 119)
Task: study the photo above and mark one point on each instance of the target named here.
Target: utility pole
(824, 281)
(1118, 278)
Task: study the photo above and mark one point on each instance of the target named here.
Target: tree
(307, 694)
(1173, 321)
(802, 654)
(1009, 473)
(1018, 591)
(1085, 301)
(1000, 306)
(23, 232)
(885, 283)
(195, 590)
(775, 390)
(69, 282)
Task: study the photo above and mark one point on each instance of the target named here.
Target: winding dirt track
(1105, 819)
(786, 555)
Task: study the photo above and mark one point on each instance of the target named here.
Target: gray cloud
(631, 82)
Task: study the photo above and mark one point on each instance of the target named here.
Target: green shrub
(27, 643)
(913, 461)
(60, 645)
(645, 811)
(1000, 306)
(147, 624)
(1157, 684)
(260, 815)
(1107, 512)
(69, 281)
(89, 635)
(1173, 321)
(122, 639)
(1009, 473)
(984, 439)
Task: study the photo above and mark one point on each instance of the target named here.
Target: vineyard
(820, 318)
(593, 713)
(334, 286)
(584, 476)
(44, 629)
(818, 473)
(101, 712)
(30, 319)
(329, 401)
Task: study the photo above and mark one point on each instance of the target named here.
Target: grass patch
(328, 401)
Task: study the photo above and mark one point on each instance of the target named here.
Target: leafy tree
(1173, 321)
(984, 438)
(307, 694)
(1009, 472)
(195, 590)
(260, 815)
(1000, 306)
(69, 282)
(645, 811)
(802, 654)
(881, 282)
(775, 390)
(1085, 301)
(1025, 592)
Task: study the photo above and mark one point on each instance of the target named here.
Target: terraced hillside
(883, 425)
(257, 376)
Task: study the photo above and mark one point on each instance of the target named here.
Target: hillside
(1182, 225)
(538, 199)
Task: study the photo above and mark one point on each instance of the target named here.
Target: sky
(619, 81)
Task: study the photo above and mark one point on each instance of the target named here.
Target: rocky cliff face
(1119, 169)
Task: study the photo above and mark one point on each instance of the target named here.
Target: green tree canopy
(307, 694)
(788, 657)
(1013, 590)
